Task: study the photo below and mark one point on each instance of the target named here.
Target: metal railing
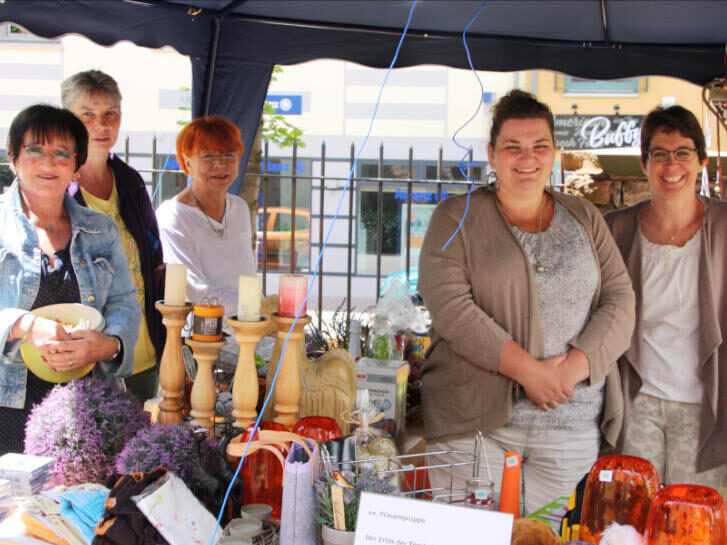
(325, 182)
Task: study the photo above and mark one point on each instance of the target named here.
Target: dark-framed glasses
(228, 157)
(661, 155)
(59, 157)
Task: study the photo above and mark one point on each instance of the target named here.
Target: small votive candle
(175, 285)
(207, 323)
(291, 292)
(249, 295)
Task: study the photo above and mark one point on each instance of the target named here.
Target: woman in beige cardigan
(531, 306)
(675, 248)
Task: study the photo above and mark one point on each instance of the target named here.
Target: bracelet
(118, 348)
(28, 331)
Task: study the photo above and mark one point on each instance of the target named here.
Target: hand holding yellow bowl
(66, 313)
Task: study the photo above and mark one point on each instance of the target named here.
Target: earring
(551, 181)
(492, 182)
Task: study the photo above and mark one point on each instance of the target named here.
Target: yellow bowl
(72, 313)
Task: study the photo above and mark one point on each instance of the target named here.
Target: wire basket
(411, 470)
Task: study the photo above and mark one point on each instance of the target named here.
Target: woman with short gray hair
(106, 184)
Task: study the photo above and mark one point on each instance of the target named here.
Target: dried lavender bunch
(83, 424)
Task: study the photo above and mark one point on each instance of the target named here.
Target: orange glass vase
(686, 514)
(262, 474)
(619, 489)
(319, 428)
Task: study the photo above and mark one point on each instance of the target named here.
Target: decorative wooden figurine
(330, 380)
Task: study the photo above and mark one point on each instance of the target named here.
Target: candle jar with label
(480, 494)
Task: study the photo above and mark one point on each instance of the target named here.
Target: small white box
(386, 382)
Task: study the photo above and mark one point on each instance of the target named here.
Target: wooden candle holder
(287, 386)
(204, 394)
(245, 385)
(171, 370)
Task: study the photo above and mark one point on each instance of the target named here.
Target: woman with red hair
(205, 227)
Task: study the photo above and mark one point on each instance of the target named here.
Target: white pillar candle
(249, 295)
(175, 285)
(291, 292)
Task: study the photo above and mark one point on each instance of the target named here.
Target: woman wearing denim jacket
(54, 251)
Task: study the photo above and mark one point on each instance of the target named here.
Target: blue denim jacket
(98, 259)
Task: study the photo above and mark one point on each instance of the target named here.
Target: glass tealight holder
(687, 514)
(618, 489)
(480, 494)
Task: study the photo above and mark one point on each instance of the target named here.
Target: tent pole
(211, 61)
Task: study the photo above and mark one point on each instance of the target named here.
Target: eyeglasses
(209, 158)
(59, 157)
(660, 155)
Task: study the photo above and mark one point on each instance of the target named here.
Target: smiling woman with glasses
(205, 227)
(674, 375)
(54, 251)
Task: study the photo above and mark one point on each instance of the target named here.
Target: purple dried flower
(83, 424)
(171, 446)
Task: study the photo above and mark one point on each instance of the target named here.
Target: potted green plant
(366, 480)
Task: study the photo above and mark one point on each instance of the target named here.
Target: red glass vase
(686, 514)
(619, 489)
(318, 428)
(262, 473)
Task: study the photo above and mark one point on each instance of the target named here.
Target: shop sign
(597, 131)
(286, 104)
(283, 167)
(419, 196)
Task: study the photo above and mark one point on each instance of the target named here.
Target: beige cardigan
(624, 225)
(481, 293)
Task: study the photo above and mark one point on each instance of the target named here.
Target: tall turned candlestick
(287, 386)
(171, 371)
(245, 385)
(203, 395)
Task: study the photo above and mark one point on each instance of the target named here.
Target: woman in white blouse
(205, 227)
(674, 375)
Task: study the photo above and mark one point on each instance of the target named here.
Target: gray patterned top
(565, 292)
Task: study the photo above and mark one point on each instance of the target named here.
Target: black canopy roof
(233, 44)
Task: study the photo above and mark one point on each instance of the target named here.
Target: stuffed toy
(526, 531)
(618, 534)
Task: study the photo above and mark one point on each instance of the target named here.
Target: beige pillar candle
(175, 285)
(249, 296)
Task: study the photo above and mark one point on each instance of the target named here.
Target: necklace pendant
(539, 267)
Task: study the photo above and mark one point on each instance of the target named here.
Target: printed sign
(597, 131)
(392, 520)
(286, 104)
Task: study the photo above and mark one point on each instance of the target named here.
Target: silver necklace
(219, 232)
(36, 221)
(539, 267)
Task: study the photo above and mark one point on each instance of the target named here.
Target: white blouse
(669, 363)
(214, 262)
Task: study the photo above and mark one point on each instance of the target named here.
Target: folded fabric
(122, 522)
(176, 513)
(83, 510)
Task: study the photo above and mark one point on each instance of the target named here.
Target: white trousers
(553, 461)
